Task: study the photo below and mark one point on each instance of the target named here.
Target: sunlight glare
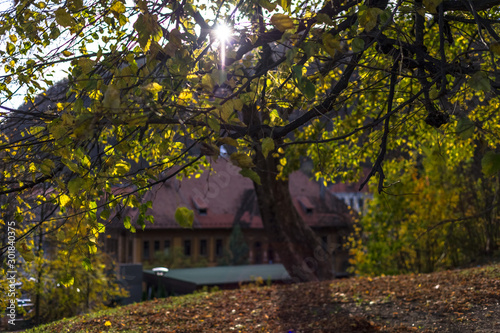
(223, 32)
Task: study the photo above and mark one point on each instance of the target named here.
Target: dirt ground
(451, 301)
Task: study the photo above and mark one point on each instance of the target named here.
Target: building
(221, 199)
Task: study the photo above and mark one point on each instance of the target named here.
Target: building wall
(131, 246)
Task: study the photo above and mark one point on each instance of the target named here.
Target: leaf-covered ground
(451, 301)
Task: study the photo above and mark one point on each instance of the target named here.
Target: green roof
(227, 274)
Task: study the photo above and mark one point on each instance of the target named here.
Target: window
(201, 205)
(157, 246)
(306, 204)
(361, 203)
(130, 250)
(203, 247)
(145, 250)
(257, 252)
(166, 247)
(187, 247)
(270, 254)
(112, 245)
(218, 247)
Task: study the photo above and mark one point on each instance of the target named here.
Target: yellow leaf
(68, 281)
(107, 323)
(282, 22)
(226, 111)
(63, 18)
(330, 44)
(153, 87)
(64, 200)
(13, 38)
(207, 82)
(118, 7)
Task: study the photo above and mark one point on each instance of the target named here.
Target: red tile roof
(229, 197)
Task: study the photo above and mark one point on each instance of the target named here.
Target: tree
(151, 84)
(238, 251)
(442, 215)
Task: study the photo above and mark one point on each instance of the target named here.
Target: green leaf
(213, 124)
(242, 160)
(111, 98)
(324, 18)
(490, 163)
(121, 168)
(47, 167)
(228, 141)
(307, 88)
(184, 217)
(10, 48)
(140, 221)
(105, 214)
(267, 146)
(249, 173)
(267, 5)
(63, 18)
(330, 44)
(465, 128)
(368, 18)
(126, 222)
(25, 251)
(431, 5)
(495, 48)
(358, 45)
(75, 185)
(479, 81)
(286, 4)
(297, 73)
(87, 264)
(67, 281)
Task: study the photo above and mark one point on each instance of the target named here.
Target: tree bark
(300, 250)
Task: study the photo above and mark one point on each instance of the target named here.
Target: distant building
(351, 195)
(221, 199)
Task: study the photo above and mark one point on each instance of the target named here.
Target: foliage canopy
(152, 87)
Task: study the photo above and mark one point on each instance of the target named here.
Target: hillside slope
(451, 301)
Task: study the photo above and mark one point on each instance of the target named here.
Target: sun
(223, 32)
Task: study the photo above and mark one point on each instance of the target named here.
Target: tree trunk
(300, 250)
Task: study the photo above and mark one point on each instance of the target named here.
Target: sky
(57, 71)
